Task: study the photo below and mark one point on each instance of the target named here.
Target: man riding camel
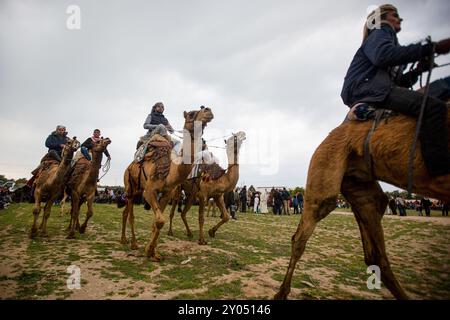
(55, 143)
(376, 77)
(88, 144)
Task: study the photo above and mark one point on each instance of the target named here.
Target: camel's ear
(224, 140)
(185, 114)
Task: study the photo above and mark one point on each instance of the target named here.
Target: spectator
(230, 204)
(445, 206)
(401, 206)
(243, 197)
(256, 208)
(426, 203)
(295, 204)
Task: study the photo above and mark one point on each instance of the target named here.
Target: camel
(203, 190)
(49, 184)
(141, 179)
(338, 165)
(82, 185)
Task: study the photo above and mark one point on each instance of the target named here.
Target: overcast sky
(273, 69)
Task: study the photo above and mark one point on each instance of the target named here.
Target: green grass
(252, 252)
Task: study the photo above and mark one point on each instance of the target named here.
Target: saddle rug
(157, 150)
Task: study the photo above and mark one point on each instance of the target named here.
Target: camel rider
(89, 144)
(375, 76)
(55, 143)
(156, 123)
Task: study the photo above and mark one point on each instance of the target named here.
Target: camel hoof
(202, 242)
(44, 234)
(156, 258)
(134, 246)
(124, 241)
(280, 296)
(71, 235)
(33, 234)
(190, 235)
(82, 229)
(212, 233)
(170, 233)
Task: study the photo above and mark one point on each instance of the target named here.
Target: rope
(443, 65)
(105, 168)
(419, 122)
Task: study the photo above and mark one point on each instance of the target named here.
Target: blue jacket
(378, 65)
(54, 142)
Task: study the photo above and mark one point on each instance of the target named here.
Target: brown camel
(82, 185)
(142, 178)
(338, 166)
(50, 183)
(206, 189)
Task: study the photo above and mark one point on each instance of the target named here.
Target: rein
(105, 168)
(419, 121)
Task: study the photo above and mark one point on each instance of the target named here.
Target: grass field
(246, 260)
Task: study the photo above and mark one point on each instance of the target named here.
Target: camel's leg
(89, 213)
(172, 213)
(47, 211)
(133, 244)
(63, 203)
(125, 213)
(315, 210)
(201, 220)
(75, 210)
(186, 209)
(150, 248)
(369, 203)
(36, 211)
(225, 216)
(325, 174)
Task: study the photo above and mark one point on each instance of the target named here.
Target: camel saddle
(211, 172)
(158, 150)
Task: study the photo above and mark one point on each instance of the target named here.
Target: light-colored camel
(338, 166)
(206, 189)
(82, 184)
(50, 183)
(140, 179)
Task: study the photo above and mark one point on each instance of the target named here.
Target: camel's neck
(95, 167)
(63, 166)
(232, 174)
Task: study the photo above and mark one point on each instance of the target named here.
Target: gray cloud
(263, 66)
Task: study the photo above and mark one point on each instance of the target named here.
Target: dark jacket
(153, 120)
(378, 65)
(54, 141)
(89, 144)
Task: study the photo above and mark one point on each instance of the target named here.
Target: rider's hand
(443, 46)
(424, 66)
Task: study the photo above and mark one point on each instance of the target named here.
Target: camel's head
(233, 143)
(70, 147)
(204, 115)
(101, 145)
